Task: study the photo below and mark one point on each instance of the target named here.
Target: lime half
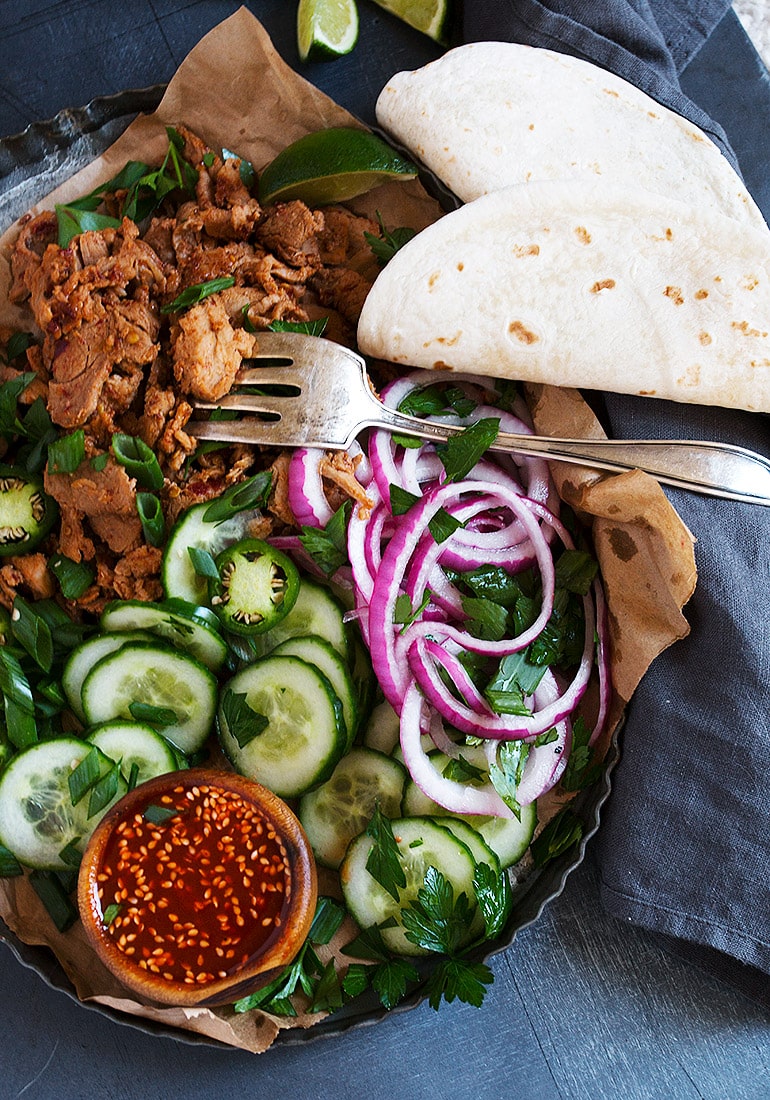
(432, 17)
(331, 166)
(326, 28)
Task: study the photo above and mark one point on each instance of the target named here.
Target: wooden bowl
(197, 888)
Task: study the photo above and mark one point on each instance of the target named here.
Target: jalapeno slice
(256, 588)
(27, 513)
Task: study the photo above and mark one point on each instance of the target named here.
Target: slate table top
(583, 1007)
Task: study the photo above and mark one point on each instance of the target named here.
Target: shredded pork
(111, 353)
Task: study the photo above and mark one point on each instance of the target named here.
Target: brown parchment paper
(235, 91)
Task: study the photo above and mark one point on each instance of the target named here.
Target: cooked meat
(208, 351)
(342, 289)
(105, 500)
(110, 358)
(26, 574)
(339, 468)
(290, 230)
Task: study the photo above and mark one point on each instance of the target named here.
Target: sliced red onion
(307, 498)
(457, 797)
(602, 662)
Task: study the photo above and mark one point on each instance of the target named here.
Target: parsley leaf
(384, 861)
(486, 619)
(494, 897)
(306, 328)
(243, 722)
(389, 242)
(462, 771)
(461, 452)
(580, 771)
(191, 295)
(507, 770)
(441, 526)
(435, 920)
(404, 613)
(515, 678)
(457, 978)
(328, 546)
(559, 834)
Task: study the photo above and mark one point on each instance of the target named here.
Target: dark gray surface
(582, 1006)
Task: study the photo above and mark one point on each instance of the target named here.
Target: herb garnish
(66, 454)
(191, 295)
(243, 722)
(74, 577)
(389, 241)
(306, 328)
(559, 834)
(152, 715)
(441, 526)
(461, 452)
(328, 546)
(9, 864)
(384, 862)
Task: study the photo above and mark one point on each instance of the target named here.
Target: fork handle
(716, 469)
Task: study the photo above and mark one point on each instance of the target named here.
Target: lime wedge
(432, 17)
(326, 28)
(331, 166)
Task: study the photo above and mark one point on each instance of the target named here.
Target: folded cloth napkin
(684, 849)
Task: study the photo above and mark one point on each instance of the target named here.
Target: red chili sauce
(198, 893)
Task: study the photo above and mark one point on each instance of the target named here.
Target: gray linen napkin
(684, 849)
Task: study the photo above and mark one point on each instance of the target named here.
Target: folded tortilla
(583, 284)
(490, 114)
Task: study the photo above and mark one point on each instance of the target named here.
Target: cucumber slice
(473, 841)
(160, 676)
(177, 573)
(382, 729)
(506, 836)
(83, 658)
(304, 736)
(182, 625)
(315, 612)
(341, 807)
(130, 743)
(317, 651)
(422, 843)
(37, 818)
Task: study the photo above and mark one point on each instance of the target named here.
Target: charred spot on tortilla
(701, 294)
(705, 338)
(623, 546)
(523, 334)
(675, 294)
(747, 330)
(602, 284)
(526, 250)
(582, 234)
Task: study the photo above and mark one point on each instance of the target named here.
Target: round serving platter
(32, 163)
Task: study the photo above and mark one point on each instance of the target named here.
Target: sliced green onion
(138, 460)
(151, 515)
(103, 792)
(59, 905)
(82, 778)
(74, 577)
(251, 493)
(9, 864)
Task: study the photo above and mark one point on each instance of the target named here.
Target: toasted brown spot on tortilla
(582, 234)
(746, 329)
(603, 284)
(704, 338)
(691, 376)
(750, 282)
(449, 340)
(760, 363)
(441, 365)
(701, 294)
(675, 294)
(652, 114)
(623, 546)
(522, 333)
(461, 267)
(610, 91)
(433, 279)
(526, 250)
(647, 393)
(531, 125)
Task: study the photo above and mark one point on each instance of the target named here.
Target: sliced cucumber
(37, 817)
(83, 658)
(422, 843)
(183, 625)
(508, 837)
(341, 807)
(161, 677)
(317, 651)
(177, 573)
(473, 840)
(304, 735)
(382, 729)
(315, 612)
(134, 743)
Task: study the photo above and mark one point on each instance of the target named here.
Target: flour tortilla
(490, 114)
(580, 284)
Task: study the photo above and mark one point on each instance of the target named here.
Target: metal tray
(32, 163)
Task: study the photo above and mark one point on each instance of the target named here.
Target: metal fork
(332, 401)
